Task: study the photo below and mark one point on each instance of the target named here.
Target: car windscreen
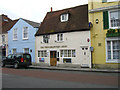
(18, 56)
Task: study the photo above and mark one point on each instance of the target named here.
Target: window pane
(38, 53)
(41, 53)
(116, 45)
(61, 53)
(25, 32)
(115, 55)
(46, 38)
(61, 36)
(109, 46)
(73, 53)
(65, 53)
(15, 33)
(109, 54)
(26, 50)
(69, 53)
(115, 20)
(45, 55)
(58, 37)
(14, 51)
(3, 38)
(119, 55)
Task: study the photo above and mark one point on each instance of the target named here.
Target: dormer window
(64, 17)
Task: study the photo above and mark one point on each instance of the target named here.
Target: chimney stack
(51, 9)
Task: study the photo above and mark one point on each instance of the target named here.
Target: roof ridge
(29, 20)
(33, 23)
(68, 8)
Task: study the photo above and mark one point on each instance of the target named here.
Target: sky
(35, 10)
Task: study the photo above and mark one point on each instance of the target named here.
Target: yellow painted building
(104, 20)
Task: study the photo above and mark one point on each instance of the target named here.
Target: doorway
(86, 55)
(53, 58)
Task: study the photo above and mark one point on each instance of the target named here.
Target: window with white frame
(113, 50)
(26, 50)
(114, 19)
(59, 37)
(14, 51)
(46, 38)
(15, 35)
(42, 53)
(3, 38)
(67, 53)
(64, 17)
(25, 32)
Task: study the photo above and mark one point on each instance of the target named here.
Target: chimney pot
(51, 9)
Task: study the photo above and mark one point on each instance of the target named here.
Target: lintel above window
(64, 17)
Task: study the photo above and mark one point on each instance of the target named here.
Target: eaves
(104, 8)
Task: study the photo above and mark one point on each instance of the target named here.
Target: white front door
(85, 57)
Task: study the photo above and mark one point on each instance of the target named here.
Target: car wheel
(16, 65)
(2, 64)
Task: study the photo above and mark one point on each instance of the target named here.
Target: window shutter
(105, 20)
(103, 1)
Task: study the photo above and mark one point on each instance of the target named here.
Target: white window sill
(113, 61)
(64, 20)
(25, 38)
(114, 28)
(14, 39)
(59, 41)
(44, 43)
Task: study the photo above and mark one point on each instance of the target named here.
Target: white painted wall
(73, 40)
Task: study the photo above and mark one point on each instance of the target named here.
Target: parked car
(17, 60)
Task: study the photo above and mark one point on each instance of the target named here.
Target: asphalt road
(38, 78)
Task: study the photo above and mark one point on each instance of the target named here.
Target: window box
(113, 33)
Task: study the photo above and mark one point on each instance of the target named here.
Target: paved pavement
(77, 69)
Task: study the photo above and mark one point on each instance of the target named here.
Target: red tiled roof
(78, 20)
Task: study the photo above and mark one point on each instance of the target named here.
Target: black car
(17, 60)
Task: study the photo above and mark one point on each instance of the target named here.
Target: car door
(12, 59)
